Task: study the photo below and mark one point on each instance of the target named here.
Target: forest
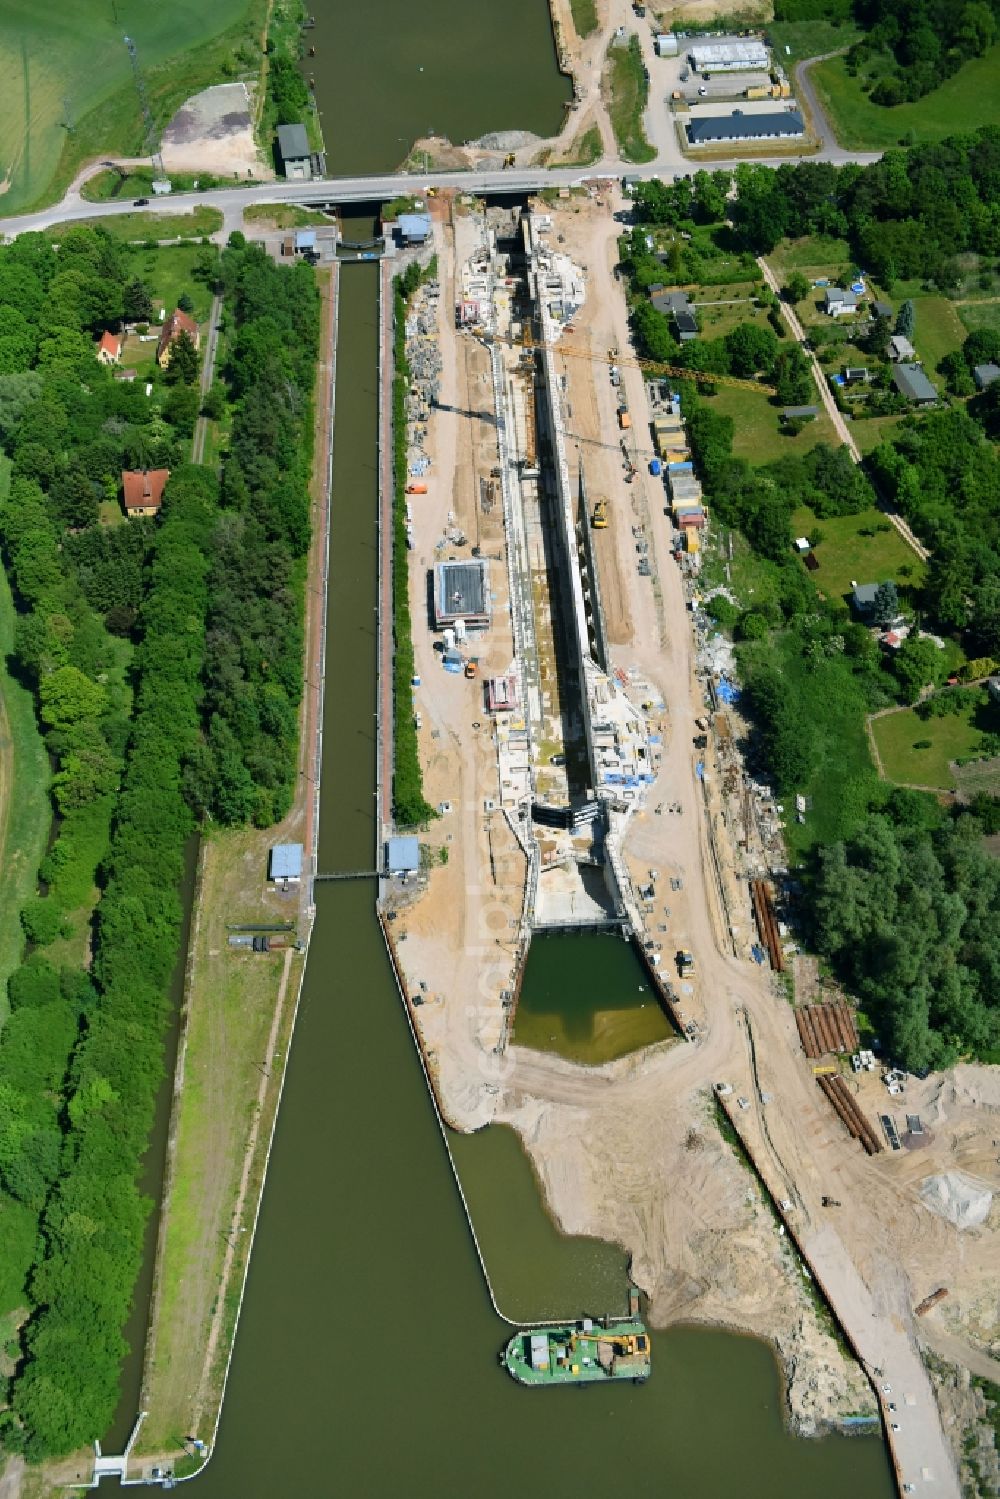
(909, 47)
(165, 658)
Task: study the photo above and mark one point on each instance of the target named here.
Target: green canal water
(589, 998)
(366, 1362)
(456, 67)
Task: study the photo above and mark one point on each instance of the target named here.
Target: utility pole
(151, 143)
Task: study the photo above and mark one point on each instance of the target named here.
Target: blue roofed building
(414, 228)
(402, 855)
(285, 863)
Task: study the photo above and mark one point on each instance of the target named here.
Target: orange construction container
(624, 420)
(416, 489)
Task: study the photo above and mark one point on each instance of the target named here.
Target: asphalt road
(233, 200)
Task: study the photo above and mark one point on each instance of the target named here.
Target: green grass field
(959, 106)
(167, 270)
(134, 228)
(871, 430)
(66, 87)
(757, 432)
(950, 737)
(939, 330)
(975, 315)
(844, 553)
(584, 16)
(816, 254)
(809, 39)
(626, 87)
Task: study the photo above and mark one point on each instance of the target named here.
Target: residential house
(985, 374)
(911, 382)
(143, 491)
(882, 309)
(837, 301)
(899, 347)
(686, 324)
(669, 302)
(294, 152)
(863, 598)
(177, 323)
(109, 348)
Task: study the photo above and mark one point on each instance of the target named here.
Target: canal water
(589, 998)
(366, 1358)
(454, 67)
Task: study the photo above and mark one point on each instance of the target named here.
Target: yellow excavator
(599, 519)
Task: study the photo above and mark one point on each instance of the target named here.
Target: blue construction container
(654, 467)
(680, 468)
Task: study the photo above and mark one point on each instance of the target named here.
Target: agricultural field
(866, 547)
(757, 434)
(919, 752)
(66, 88)
(970, 99)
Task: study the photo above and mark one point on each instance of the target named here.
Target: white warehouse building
(730, 56)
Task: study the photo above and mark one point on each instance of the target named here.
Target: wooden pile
(826, 1028)
(850, 1114)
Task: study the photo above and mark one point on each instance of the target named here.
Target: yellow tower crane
(612, 357)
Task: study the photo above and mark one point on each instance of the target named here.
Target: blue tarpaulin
(656, 738)
(727, 692)
(758, 953)
(699, 770)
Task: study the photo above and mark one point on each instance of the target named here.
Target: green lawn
(950, 736)
(757, 432)
(970, 99)
(869, 431)
(717, 320)
(66, 87)
(136, 227)
(939, 330)
(813, 254)
(167, 271)
(584, 16)
(844, 554)
(25, 812)
(975, 315)
(808, 39)
(625, 83)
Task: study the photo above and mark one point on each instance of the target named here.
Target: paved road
(805, 92)
(233, 200)
(207, 371)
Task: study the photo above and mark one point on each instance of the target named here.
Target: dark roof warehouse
(745, 127)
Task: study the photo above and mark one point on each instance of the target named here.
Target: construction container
(654, 467)
(680, 466)
(693, 544)
(758, 93)
(624, 420)
(416, 489)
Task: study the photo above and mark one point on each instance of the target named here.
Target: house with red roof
(109, 348)
(177, 323)
(143, 490)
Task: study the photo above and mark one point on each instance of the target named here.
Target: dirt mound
(958, 1198)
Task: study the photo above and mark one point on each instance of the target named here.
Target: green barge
(585, 1353)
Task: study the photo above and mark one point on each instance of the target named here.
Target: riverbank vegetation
(288, 100)
(875, 858)
(149, 720)
(409, 805)
(627, 87)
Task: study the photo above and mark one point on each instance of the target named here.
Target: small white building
(899, 347)
(666, 44)
(730, 55)
(837, 301)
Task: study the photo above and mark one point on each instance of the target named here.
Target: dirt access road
(616, 1187)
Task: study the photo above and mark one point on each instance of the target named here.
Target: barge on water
(585, 1353)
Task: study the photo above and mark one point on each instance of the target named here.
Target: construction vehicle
(508, 160)
(599, 519)
(685, 963)
(472, 668)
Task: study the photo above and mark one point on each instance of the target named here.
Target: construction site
(580, 731)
